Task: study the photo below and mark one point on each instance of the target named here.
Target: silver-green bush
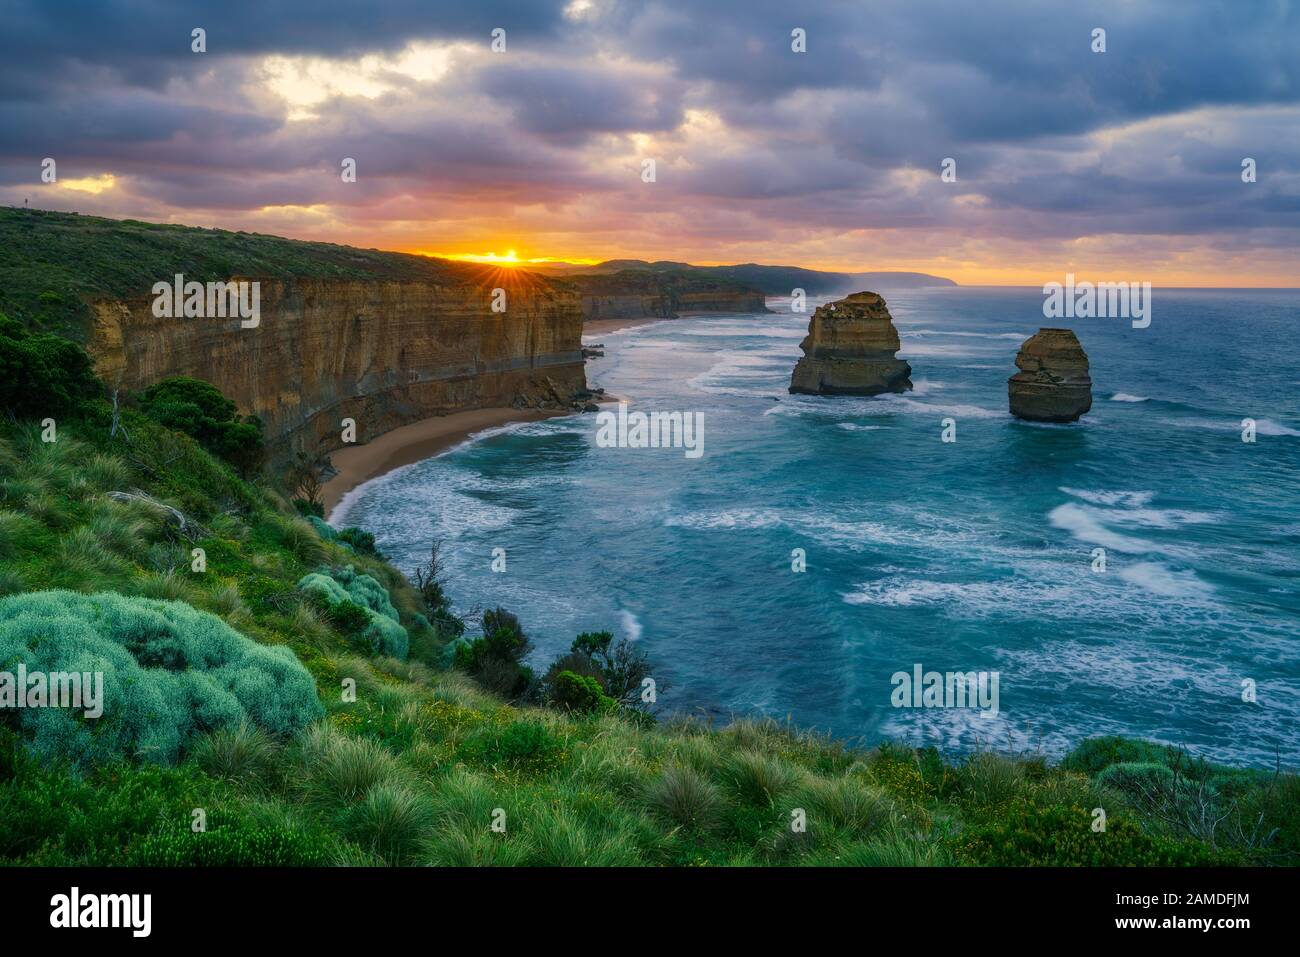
(169, 672)
(384, 632)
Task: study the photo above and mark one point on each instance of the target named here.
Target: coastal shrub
(360, 541)
(257, 846)
(1094, 755)
(429, 584)
(495, 660)
(199, 410)
(323, 528)
(1138, 780)
(339, 584)
(359, 604)
(169, 672)
(355, 539)
(307, 508)
(51, 817)
(579, 693)
(518, 744)
(43, 374)
(1024, 834)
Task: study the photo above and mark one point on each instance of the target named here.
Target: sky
(1125, 164)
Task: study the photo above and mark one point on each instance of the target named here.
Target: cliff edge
(384, 339)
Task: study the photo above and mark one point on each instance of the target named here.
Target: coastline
(411, 443)
(604, 327)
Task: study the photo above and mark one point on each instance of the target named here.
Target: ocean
(977, 554)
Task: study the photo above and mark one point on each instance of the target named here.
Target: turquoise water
(975, 555)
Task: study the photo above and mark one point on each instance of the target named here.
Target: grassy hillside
(54, 261)
(423, 765)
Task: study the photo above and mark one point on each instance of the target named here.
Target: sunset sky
(1125, 164)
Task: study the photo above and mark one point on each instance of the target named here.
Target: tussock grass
(685, 797)
(11, 582)
(243, 753)
(990, 778)
(759, 779)
(846, 803)
(560, 839)
(119, 529)
(106, 473)
(225, 600)
(392, 821)
(342, 769)
(475, 849)
(18, 534)
(168, 586)
(302, 541)
(890, 850)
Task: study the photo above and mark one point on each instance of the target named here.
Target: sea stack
(850, 349)
(1053, 383)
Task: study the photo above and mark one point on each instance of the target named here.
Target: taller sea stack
(850, 350)
(1053, 384)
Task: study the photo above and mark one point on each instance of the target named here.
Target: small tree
(623, 666)
(496, 659)
(429, 581)
(306, 477)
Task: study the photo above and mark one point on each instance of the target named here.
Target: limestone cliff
(850, 350)
(384, 353)
(1053, 384)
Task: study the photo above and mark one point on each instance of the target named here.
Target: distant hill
(771, 280)
(667, 293)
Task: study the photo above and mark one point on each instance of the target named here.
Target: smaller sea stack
(850, 349)
(1053, 384)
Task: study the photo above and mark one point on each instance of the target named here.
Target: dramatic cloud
(1066, 159)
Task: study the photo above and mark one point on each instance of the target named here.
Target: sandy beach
(603, 327)
(411, 443)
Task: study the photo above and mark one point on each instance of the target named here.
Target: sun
(510, 258)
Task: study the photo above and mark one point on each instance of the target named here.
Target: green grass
(422, 765)
(55, 262)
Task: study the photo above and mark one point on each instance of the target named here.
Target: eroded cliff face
(850, 350)
(384, 353)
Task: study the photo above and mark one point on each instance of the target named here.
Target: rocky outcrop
(384, 353)
(850, 350)
(1053, 384)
